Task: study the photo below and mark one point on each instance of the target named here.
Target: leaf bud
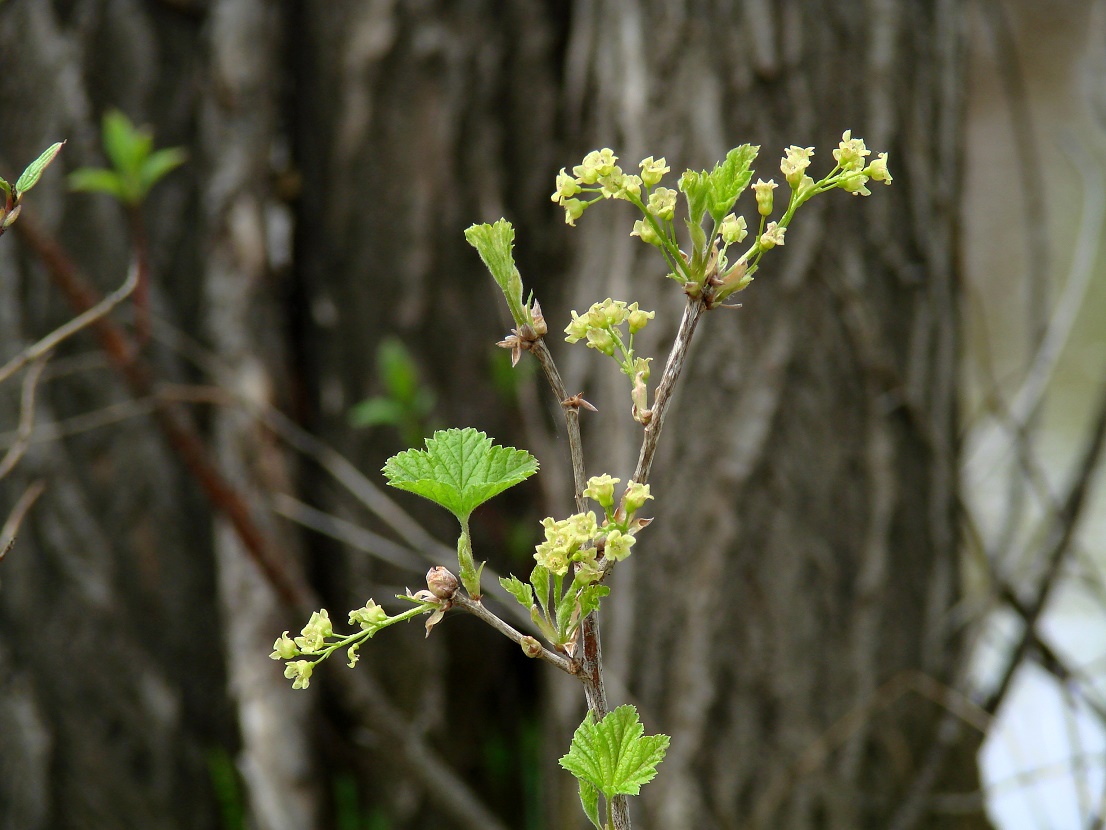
(531, 647)
(441, 582)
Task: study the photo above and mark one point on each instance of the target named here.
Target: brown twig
(26, 418)
(477, 609)
(11, 525)
(176, 427)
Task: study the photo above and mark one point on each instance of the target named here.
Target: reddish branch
(175, 425)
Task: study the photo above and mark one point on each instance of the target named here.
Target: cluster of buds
(601, 327)
(599, 173)
(579, 539)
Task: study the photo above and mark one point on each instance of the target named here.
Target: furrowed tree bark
(803, 556)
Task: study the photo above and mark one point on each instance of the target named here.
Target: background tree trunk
(803, 563)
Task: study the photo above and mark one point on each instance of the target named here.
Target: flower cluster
(578, 538)
(599, 173)
(855, 173)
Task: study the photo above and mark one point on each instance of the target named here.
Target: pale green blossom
(794, 164)
(653, 171)
(618, 545)
(772, 236)
(301, 671)
(284, 648)
(601, 489)
(635, 497)
(733, 229)
(851, 151)
(764, 190)
(662, 203)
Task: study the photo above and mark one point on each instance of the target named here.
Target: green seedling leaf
(519, 590)
(158, 166)
(729, 178)
(7, 188)
(33, 173)
(494, 243)
(614, 755)
(460, 469)
(97, 180)
(589, 800)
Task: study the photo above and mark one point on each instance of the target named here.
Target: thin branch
(572, 419)
(677, 358)
(11, 525)
(26, 417)
(81, 321)
(1063, 531)
(478, 610)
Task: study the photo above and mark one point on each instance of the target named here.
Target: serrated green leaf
(98, 180)
(696, 188)
(590, 597)
(614, 755)
(158, 165)
(519, 590)
(494, 243)
(589, 800)
(460, 469)
(728, 179)
(29, 178)
(539, 578)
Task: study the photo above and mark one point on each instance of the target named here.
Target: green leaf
(98, 180)
(375, 412)
(590, 597)
(126, 146)
(589, 800)
(519, 590)
(696, 187)
(728, 179)
(460, 469)
(614, 755)
(158, 166)
(539, 578)
(494, 244)
(398, 370)
(7, 188)
(31, 175)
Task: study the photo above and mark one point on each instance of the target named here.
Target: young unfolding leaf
(519, 590)
(460, 469)
(33, 173)
(614, 755)
(729, 178)
(494, 243)
(135, 166)
(589, 800)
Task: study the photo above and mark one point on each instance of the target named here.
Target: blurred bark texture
(779, 619)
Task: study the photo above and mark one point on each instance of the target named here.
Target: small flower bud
(352, 655)
(574, 209)
(441, 582)
(284, 648)
(9, 220)
(601, 489)
(618, 545)
(878, 170)
(662, 203)
(540, 327)
(301, 671)
(794, 164)
(531, 647)
(566, 188)
(733, 229)
(764, 195)
(635, 497)
(772, 236)
(602, 341)
(644, 231)
(638, 318)
(652, 171)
